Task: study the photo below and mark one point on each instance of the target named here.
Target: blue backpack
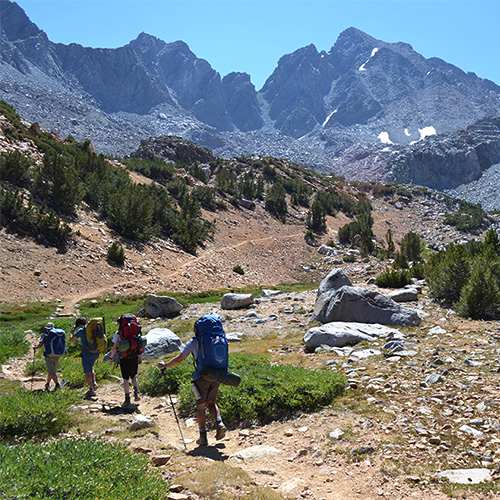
(56, 342)
(213, 354)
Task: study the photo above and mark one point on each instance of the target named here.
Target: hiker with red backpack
(88, 355)
(210, 350)
(54, 341)
(127, 343)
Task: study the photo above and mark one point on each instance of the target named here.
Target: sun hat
(49, 326)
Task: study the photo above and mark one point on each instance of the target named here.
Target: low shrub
(238, 270)
(480, 296)
(400, 261)
(116, 253)
(12, 344)
(152, 381)
(447, 272)
(267, 392)
(72, 371)
(393, 278)
(470, 217)
(412, 246)
(350, 257)
(85, 469)
(29, 414)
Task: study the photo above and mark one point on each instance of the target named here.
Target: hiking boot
(127, 400)
(221, 431)
(95, 386)
(202, 440)
(136, 395)
(57, 387)
(90, 394)
(47, 388)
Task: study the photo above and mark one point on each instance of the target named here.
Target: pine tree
(480, 297)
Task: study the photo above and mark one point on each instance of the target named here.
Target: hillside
(271, 250)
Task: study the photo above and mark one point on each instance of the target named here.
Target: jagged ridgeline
(41, 192)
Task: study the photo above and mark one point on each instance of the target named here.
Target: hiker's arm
(173, 362)
(41, 343)
(113, 352)
(73, 337)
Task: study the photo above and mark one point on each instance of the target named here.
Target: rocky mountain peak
(315, 105)
(19, 27)
(145, 42)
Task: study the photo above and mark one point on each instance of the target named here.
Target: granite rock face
(359, 102)
(172, 149)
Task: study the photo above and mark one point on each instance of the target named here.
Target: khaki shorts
(51, 362)
(208, 390)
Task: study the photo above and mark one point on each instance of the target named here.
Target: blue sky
(251, 35)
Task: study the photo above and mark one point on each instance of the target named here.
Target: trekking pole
(173, 408)
(33, 368)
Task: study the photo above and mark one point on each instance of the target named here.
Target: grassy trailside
(31, 420)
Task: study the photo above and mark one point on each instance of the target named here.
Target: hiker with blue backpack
(210, 350)
(54, 341)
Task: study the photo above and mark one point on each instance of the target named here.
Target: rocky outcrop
(337, 300)
(236, 300)
(467, 153)
(241, 101)
(328, 287)
(171, 149)
(160, 306)
(160, 342)
(366, 306)
(406, 294)
(340, 334)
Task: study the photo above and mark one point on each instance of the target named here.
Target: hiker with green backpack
(93, 342)
(210, 350)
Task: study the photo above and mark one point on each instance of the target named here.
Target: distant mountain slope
(312, 108)
(463, 164)
(41, 259)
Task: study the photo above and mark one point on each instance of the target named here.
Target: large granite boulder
(236, 300)
(336, 279)
(406, 294)
(160, 343)
(350, 303)
(340, 334)
(159, 306)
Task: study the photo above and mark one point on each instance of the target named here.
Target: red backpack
(130, 333)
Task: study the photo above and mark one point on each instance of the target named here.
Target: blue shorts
(88, 360)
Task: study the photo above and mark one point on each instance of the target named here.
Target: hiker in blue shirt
(54, 341)
(205, 393)
(88, 357)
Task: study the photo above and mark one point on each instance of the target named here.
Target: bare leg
(134, 383)
(201, 416)
(213, 409)
(90, 379)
